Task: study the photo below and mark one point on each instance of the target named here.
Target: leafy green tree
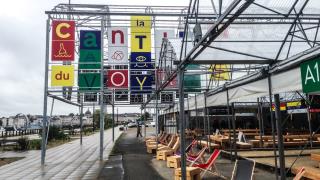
(107, 120)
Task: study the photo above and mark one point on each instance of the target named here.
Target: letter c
(58, 30)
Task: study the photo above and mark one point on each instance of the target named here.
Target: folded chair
(209, 166)
(243, 170)
(165, 152)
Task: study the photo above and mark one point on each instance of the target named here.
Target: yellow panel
(294, 103)
(220, 72)
(140, 42)
(62, 75)
(141, 24)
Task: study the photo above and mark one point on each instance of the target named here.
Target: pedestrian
(139, 130)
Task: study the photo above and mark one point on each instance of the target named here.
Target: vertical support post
(309, 123)
(260, 123)
(280, 137)
(45, 96)
(117, 116)
(102, 92)
(81, 119)
(182, 124)
(234, 132)
(229, 124)
(145, 121)
(113, 116)
(272, 129)
(157, 123)
(206, 118)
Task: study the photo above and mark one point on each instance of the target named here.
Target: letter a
(309, 76)
(91, 40)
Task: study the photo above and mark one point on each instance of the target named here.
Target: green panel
(90, 58)
(310, 76)
(193, 67)
(192, 83)
(89, 81)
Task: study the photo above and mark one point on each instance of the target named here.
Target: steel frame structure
(99, 16)
(235, 13)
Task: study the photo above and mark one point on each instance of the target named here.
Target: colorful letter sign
(141, 42)
(117, 79)
(118, 45)
(140, 83)
(63, 40)
(141, 60)
(89, 81)
(90, 50)
(62, 75)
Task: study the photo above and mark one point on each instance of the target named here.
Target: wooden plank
(310, 172)
(315, 156)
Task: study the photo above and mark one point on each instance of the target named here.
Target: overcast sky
(22, 52)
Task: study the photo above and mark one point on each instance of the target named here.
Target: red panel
(63, 30)
(117, 79)
(62, 51)
(162, 77)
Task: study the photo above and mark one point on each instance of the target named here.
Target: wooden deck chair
(154, 146)
(163, 154)
(170, 144)
(300, 174)
(243, 170)
(199, 156)
(210, 166)
(154, 137)
(162, 140)
(154, 141)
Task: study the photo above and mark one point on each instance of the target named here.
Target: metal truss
(302, 23)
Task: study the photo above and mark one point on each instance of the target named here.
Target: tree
(96, 120)
(146, 114)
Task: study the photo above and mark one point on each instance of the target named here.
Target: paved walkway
(68, 161)
(130, 160)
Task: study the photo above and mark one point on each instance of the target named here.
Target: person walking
(139, 130)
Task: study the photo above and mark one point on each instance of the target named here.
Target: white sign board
(159, 35)
(117, 45)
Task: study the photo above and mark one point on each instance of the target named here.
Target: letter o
(123, 79)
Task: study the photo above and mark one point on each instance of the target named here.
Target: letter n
(114, 33)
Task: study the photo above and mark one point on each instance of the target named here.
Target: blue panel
(141, 60)
(90, 40)
(140, 84)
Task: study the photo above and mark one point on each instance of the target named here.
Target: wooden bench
(289, 144)
(310, 172)
(255, 143)
(193, 173)
(243, 145)
(174, 161)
